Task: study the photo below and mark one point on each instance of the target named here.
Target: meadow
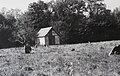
(85, 59)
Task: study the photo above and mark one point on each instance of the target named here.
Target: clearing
(87, 59)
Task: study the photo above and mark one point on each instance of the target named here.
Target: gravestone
(27, 48)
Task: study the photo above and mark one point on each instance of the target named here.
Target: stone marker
(27, 48)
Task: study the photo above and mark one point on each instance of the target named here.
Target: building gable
(44, 31)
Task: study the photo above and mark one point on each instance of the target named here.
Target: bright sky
(112, 4)
(23, 4)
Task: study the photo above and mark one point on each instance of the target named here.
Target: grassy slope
(86, 60)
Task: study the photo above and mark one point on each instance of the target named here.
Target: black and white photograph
(59, 37)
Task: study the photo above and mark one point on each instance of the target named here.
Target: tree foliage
(38, 14)
(6, 29)
(24, 32)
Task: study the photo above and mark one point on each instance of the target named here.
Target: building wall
(50, 38)
(57, 40)
(42, 40)
(57, 37)
(47, 40)
(53, 38)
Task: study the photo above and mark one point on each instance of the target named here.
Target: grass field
(87, 59)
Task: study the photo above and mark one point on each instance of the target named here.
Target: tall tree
(6, 29)
(116, 14)
(24, 32)
(39, 14)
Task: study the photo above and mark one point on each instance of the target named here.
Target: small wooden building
(48, 36)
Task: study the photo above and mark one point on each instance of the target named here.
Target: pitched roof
(44, 31)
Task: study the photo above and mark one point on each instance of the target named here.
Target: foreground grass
(88, 59)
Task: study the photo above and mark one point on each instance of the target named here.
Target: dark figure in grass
(27, 48)
(116, 50)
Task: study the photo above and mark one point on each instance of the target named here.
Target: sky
(23, 4)
(112, 4)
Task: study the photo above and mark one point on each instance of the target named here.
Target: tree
(116, 14)
(6, 29)
(24, 32)
(39, 14)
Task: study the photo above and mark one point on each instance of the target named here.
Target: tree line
(77, 21)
